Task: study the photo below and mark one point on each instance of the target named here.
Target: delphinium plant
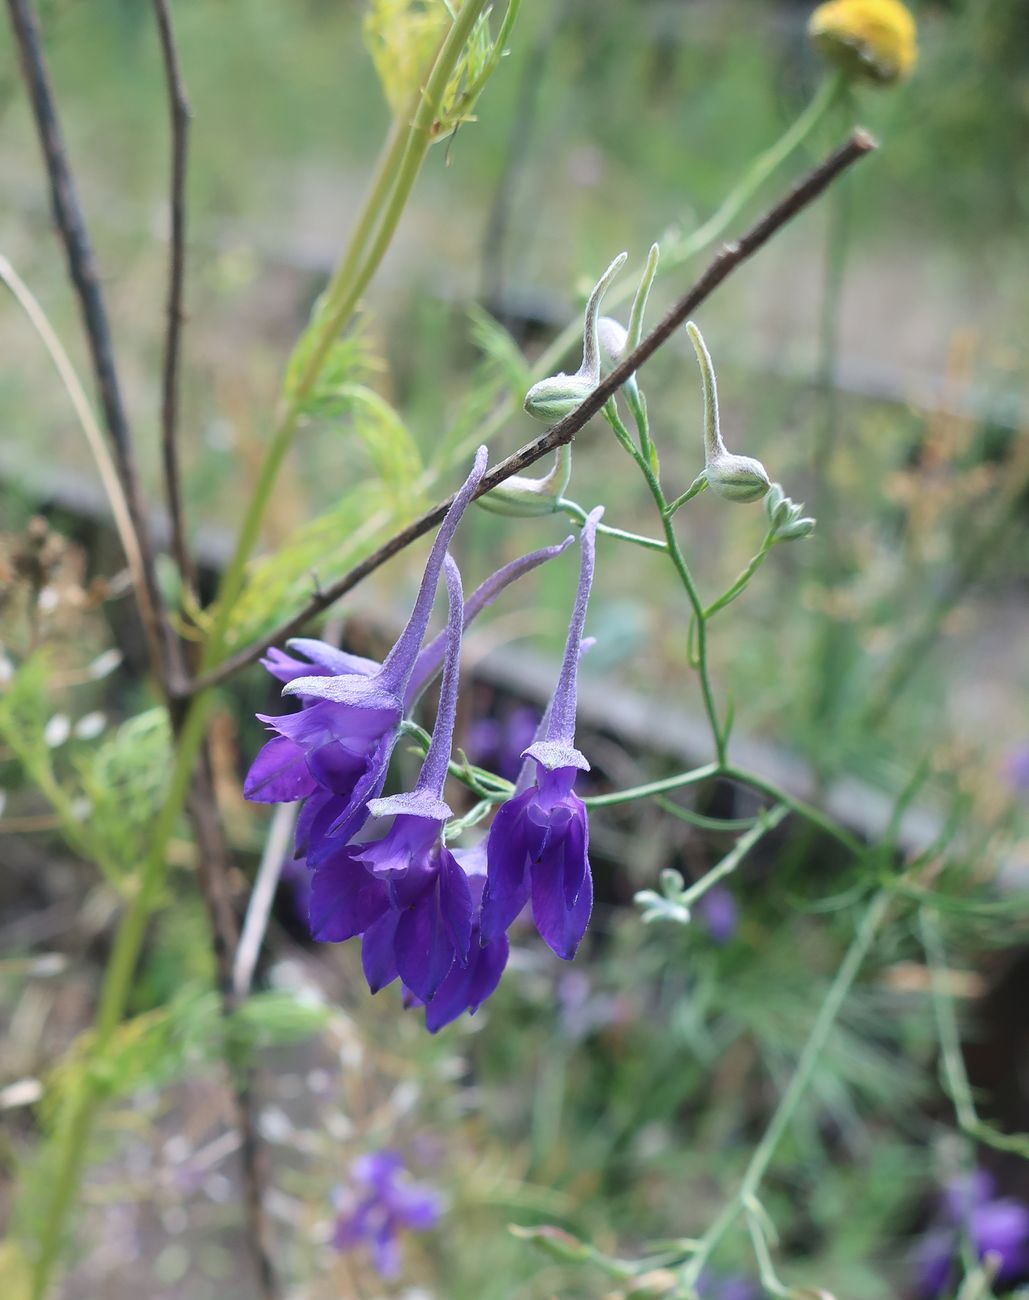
(431, 893)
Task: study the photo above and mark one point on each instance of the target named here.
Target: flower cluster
(994, 1227)
(379, 1201)
(432, 917)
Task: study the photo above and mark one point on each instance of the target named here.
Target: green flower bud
(527, 497)
(553, 398)
(734, 478)
(785, 517)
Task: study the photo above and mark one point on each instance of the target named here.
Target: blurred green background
(620, 1105)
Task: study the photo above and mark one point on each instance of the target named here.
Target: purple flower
(994, 1225)
(405, 891)
(1016, 767)
(720, 913)
(335, 752)
(539, 841)
(380, 1201)
(733, 1286)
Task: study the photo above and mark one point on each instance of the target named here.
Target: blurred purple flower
(1016, 768)
(499, 743)
(994, 1225)
(732, 1286)
(379, 1202)
(719, 913)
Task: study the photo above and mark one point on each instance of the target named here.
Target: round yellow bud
(871, 39)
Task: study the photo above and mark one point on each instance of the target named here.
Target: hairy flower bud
(784, 516)
(871, 40)
(737, 478)
(521, 496)
(558, 395)
(734, 478)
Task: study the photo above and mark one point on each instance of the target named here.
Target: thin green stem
(740, 585)
(576, 512)
(799, 806)
(616, 797)
(718, 733)
(114, 997)
(952, 1058)
(701, 820)
(395, 176)
(766, 822)
(763, 1154)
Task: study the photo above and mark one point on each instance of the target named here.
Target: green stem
(576, 512)
(739, 586)
(114, 997)
(395, 176)
(760, 170)
(767, 822)
(799, 806)
(757, 1167)
(958, 1086)
(678, 560)
(697, 775)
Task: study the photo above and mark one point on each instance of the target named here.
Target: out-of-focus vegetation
(617, 1099)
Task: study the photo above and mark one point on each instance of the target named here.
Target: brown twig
(729, 257)
(180, 115)
(82, 271)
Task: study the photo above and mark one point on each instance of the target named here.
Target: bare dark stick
(78, 249)
(179, 110)
(729, 257)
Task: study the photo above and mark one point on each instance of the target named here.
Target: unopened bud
(553, 398)
(870, 40)
(785, 517)
(737, 478)
(525, 497)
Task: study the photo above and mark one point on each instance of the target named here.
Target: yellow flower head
(871, 39)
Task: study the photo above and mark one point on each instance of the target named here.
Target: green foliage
(402, 37)
(124, 778)
(349, 359)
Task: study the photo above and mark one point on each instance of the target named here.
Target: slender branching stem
(724, 263)
(951, 1057)
(753, 1176)
(78, 248)
(768, 821)
(179, 113)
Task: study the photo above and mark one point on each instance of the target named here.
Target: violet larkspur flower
(381, 1201)
(405, 891)
(333, 754)
(997, 1226)
(339, 745)
(539, 841)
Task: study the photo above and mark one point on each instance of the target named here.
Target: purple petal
(415, 1206)
(1002, 1228)
(401, 855)
(508, 853)
(331, 658)
(467, 988)
(424, 949)
(377, 1169)
(279, 773)
(455, 900)
(345, 898)
(354, 812)
(576, 854)
(378, 959)
(561, 927)
(385, 1251)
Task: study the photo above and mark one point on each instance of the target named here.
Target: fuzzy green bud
(785, 517)
(733, 478)
(557, 396)
(737, 478)
(553, 398)
(525, 497)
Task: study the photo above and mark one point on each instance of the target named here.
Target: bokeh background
(873, 356)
